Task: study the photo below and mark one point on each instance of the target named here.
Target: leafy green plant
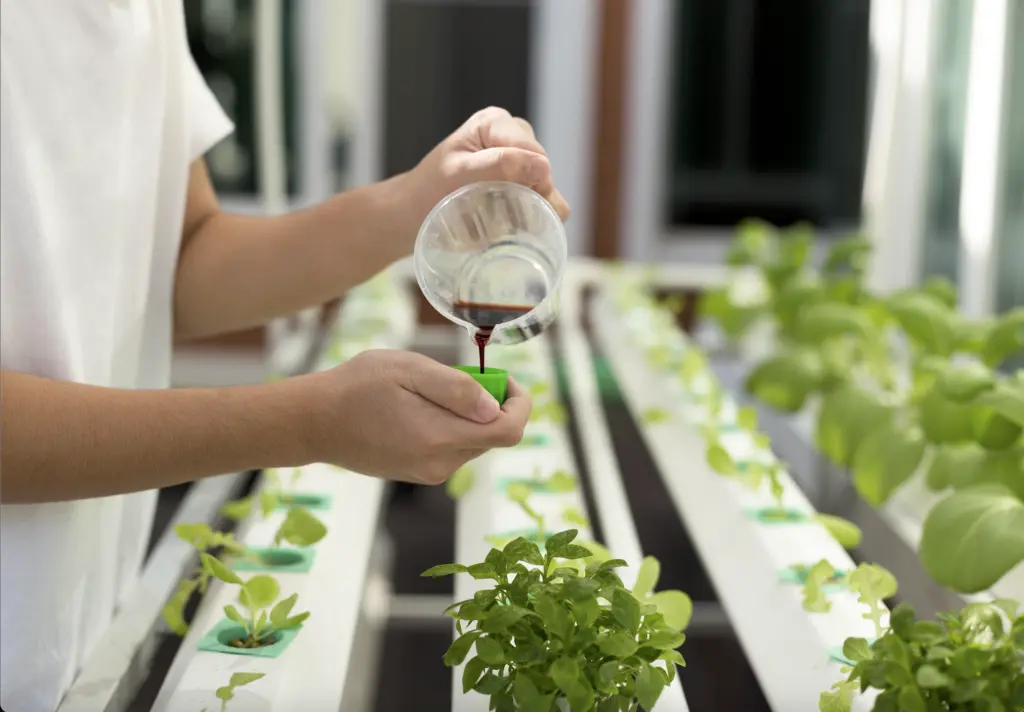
(970, 661)
(907, 388)
(459, 484)
(300, 526)
(227, 693)
(547, 631)
(204, 539)
(257, 595)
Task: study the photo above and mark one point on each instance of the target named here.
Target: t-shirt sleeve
(207, 122)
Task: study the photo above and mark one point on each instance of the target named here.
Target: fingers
(499, 129)
(506, 163)
(452, 390)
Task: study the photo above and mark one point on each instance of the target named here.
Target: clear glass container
(491, 256)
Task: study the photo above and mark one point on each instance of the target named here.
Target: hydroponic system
(904, 407)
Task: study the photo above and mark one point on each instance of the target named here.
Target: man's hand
(403, 416)
(491, 145)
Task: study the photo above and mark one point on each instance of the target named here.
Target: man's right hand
(403, 416)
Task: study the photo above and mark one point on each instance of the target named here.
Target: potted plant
(553, 634)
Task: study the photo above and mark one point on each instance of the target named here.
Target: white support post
(315, 149)
(982, 178)
(904, 38)
(562, 100)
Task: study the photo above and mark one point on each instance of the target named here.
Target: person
(113, 245)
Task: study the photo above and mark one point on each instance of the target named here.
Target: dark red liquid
(485, 317)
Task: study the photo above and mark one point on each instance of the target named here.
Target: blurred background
(667, 122)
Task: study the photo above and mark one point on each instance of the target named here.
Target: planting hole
(280, 557)
(235, 638)
(303, 500)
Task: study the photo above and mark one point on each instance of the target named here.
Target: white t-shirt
(102, 111)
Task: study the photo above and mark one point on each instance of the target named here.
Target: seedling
(300, 526)
(257, 595)
(653, 416)
(550, 410)
(964, 662)
(227, 693)
(547, 632)
(520, 494)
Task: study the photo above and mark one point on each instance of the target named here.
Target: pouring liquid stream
(485, 317)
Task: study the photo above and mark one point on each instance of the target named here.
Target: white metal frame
(982, 178)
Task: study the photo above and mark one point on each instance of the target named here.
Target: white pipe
(271, 168)
(981, 178)
(596, 445)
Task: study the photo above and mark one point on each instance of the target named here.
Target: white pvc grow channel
(312, 672)
(787, 647)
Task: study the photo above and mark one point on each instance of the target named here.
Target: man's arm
(237, 272)
(65, 440)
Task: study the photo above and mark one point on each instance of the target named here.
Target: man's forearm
(236, 272)
(65, 440)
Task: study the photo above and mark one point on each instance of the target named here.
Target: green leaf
(237, 510)
(585, 612)
(518, 492)
(1005, 339)
(560, 481)
(460, 483)
(926, 320)
(194, 534)
(626, 610)
(885, 459)
(556, 542)
(301, 528)
(1007, 399)
(911, 700)
(268, 502)
(720, 460)
(519, 549)
(973, 537)
(617, 644)
(460, 647)
(490, 651)
(965, 381)
(954, 466)
(653, 416)
(857, 650)
(444, 570)
(675, 606)
(993, 430)
(649, 686)
(528, 698)
(815, 600)
(294, 621)
(929, 677)
(746, 417)
(824, 321)
(279, 613)
(846, 417)
(943, 420)
(664, 640)
(844, 531)
(471, 673)
(259, 592)
(785, 381)
(575, 516)
(647, 577)
(565, 673)
(213, 566)
(873, 584)
(573, 551)
(232, 613)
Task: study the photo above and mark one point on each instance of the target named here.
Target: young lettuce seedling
(257, 595)
(227, 693)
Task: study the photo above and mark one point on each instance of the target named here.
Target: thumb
(454, 391)
(516, 165)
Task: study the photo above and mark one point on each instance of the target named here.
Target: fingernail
(487, 408)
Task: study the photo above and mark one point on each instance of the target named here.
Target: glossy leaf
(785, 381)
(884, 460)
(215, 568)
(973, 537)
(720, 460)
(259, 592)
(966, 381)
(846, 417)
(675, 606)
(842, 530)
(301, 528)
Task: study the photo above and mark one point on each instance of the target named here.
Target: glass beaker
(490, 257)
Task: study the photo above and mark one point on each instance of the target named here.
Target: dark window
(769, 111)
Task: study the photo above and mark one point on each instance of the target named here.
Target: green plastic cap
(494, 380)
